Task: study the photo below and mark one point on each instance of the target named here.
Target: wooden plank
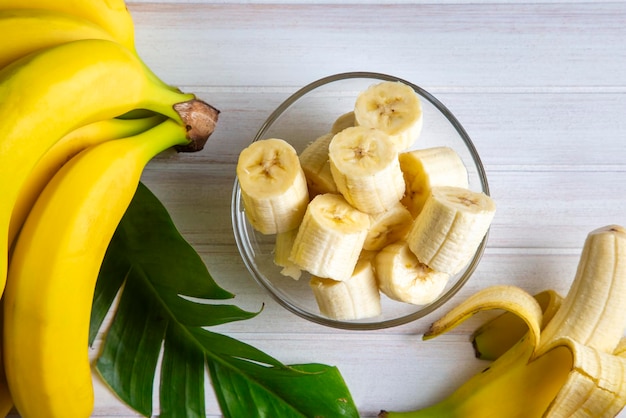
(453, 45)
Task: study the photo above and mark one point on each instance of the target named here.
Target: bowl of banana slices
(361, 203)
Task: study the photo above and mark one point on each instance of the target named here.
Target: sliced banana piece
(330, 237)
(402, 277)
(392, 107)
(450, 228)
(388, 227)
(314, 162)
(364, 164)
(282, 249)
(273, 186)
(355, 298)
(426, 168)
(344, 121)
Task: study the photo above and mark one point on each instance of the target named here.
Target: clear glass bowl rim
(238, 221)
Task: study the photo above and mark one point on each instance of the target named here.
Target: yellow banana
(6, 402)
(63, 150)
(574, 368)
(46, 95)
(111, 15)
(25, 31)
(498, 335)
(56, 259)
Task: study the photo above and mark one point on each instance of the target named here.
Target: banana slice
(392, 107)
(450, 227)
(364, 164)
(388, 227)
(426, 168)
(403, 278)
(314, 162)
(273, 185)
(355, 298)
(282, 249)
(344, 121)
(330, 237)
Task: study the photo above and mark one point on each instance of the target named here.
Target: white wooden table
(540, 87)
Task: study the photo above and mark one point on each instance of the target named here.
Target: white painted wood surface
(539, 86)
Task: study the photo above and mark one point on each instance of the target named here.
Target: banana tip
(200, 119)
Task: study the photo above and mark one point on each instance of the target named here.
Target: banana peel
(570, 360)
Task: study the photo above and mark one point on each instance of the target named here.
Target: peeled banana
(330, 237)
(450, 228)
(392, 107)
(354, 298)
(56, 258)
(425, 168)
(568, 361)
(402, 277)
(273, 185)
(316, 165)
(365, 167)
(361, 168)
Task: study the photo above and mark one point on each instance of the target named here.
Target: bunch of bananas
(553, 356)
(80, 117)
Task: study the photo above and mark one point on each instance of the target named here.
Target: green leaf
(164, 291)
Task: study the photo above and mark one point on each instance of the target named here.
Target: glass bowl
(303, 117)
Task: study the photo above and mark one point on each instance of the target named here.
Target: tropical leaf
(164, 291)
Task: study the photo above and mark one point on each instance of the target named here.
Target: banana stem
(199, 119)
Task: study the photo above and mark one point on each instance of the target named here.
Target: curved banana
(25, 31)
(495, 337)
(46, 95)
(575, 367)
(62, 151)
(111, 15)
(56, 259)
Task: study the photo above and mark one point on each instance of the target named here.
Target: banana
(273, 185)
(571, 365)
(495, 337)
(426, 168)
(403, 278)
(342, 122)
(364, 164)
(352, 299)
(62, 151)
(316, 165)
(80, 82)
(25, 31)
(597, 294)
(393, 107)
(330, 237)
(450, 228)
(6, 402)
(282, 250)
(111, 15)
(388, 227)
(56, 258)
